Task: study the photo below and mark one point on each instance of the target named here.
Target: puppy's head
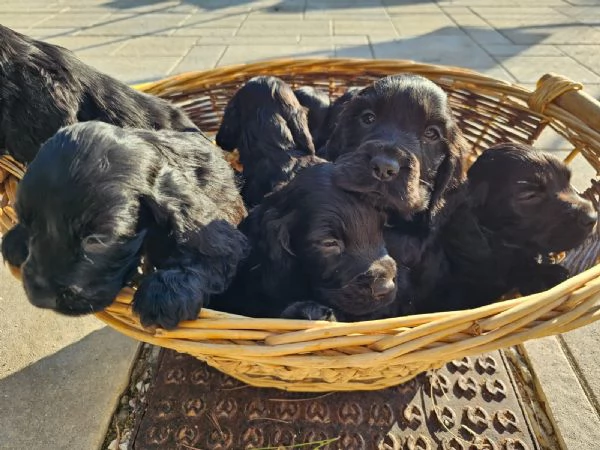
(405, 139)
(261, 117)
(332, 240)
(525, 196)
(77, 226)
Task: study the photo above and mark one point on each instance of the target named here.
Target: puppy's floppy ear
(296, 118)
(451, 171)
(279, 261)
(15, 245)
(336, 143)
(297, 122)
(231, 126)
(276, 234)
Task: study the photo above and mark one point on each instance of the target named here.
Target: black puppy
(317, 103)
(97, 198)
(520, 206)
(45, 87)
(314, 247)
(269, 127)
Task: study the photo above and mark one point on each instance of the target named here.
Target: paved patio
(60, 378)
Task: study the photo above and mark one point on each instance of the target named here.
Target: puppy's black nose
(588, 220)
(384, 168)
(383, 287)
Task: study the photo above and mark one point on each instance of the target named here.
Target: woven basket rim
(281, 352)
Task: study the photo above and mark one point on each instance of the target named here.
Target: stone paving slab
(200, 58)
(527, 69)
(574, 416)
(60, 377)
(134, 70)
(157, 46)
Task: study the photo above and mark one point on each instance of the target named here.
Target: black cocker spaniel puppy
(317, 253)
(520, 206)
(269, 128)
(45, 87)
(98, 198)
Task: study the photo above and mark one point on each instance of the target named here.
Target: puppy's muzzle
(38, 290)
(383, 287)
(383, 278)
(384, 168)
(588, 220)
(585, 214)
(387, 161)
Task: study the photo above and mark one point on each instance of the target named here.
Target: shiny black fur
(519, 207)
(44, 87)
(401, 143)
(269, 127)
(316, 244)
(97, 198)
(398, 146)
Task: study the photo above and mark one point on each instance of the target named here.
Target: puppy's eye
(528, 196)
(432, 133)
(331, 246)
(368, 117)
(330, 243)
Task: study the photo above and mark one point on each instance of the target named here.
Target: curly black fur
(398, 146)
(269, 127)
(44, 87)
(97, 198)
(520, 207)
(313, 242)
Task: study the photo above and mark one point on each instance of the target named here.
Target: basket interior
(484, 119)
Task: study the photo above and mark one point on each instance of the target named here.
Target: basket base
(195, 406)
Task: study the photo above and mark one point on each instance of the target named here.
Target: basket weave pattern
(323, 356)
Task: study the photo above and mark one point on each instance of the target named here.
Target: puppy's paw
(543, 277)
(308, 311)
(15, 246)
(167, 297)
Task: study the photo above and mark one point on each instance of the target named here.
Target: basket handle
(567, 94)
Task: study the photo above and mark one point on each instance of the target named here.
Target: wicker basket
(322, 356)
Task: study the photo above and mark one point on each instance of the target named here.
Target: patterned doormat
(468, 404)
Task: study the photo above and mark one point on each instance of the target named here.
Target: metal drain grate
(469, 404)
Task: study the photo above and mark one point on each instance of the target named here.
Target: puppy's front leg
(202, 264)
(308, 310)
